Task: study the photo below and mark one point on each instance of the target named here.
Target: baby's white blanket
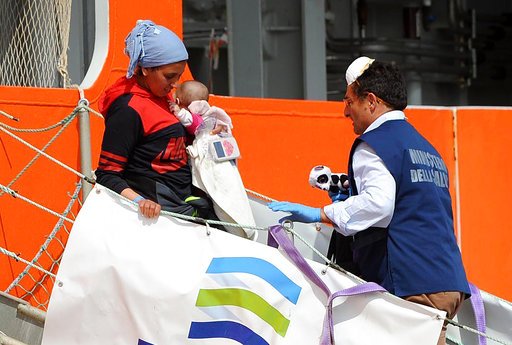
(222, 181)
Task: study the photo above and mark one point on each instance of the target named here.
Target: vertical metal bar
(313, 49)
(76, 63)
(85, 147)
(245, 49)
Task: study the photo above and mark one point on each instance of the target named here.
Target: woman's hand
(218, 129)
(149, 208)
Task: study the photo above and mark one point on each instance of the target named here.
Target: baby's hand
(174, 108)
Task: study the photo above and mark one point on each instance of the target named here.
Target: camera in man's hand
(336, 184)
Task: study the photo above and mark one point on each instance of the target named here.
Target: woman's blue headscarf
(151, 45)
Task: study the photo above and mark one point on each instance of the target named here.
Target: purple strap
(278, 235)
(352, 291)
(271, 241)
(478, 308)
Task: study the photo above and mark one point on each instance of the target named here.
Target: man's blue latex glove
(340, 195)
(299, 213)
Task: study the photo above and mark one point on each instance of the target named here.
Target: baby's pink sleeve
(197, 120)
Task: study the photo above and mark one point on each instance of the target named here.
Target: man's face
(161, 80)
(358, 110)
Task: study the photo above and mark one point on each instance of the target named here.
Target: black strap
(341, 247)
(340, 252)
(367, 237)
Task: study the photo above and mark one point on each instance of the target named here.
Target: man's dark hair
(386, 82)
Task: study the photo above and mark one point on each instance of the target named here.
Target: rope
(10, 117)
(29, 164)
(306, 243)
(208, 221)
(14, 194)
(261, 196)
(324, 258)
(191, 218)
(86, 178)
(469, 329)
(295, 234)
(18, 258)
(45, 245)
(83, 103)
(86, 107)
(44, 129)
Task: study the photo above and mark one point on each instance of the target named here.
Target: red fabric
(156, 112)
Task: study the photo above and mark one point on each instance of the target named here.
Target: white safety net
(34, 42)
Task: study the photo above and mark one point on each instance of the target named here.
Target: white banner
(126, 280)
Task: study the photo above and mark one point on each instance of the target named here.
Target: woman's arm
(123, 130)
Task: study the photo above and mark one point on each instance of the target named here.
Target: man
(398, 215)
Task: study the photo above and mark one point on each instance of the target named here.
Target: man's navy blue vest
(419, 254)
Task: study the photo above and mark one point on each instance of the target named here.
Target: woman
(143, 155)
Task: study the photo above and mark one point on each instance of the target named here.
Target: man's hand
(299, 213)
(340, 195)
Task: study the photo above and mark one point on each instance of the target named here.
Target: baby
(212, 156)
(192, 109)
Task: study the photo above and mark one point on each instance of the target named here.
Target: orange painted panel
(485, 174)
(281, 140)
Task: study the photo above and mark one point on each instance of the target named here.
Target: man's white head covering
(357, 67)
